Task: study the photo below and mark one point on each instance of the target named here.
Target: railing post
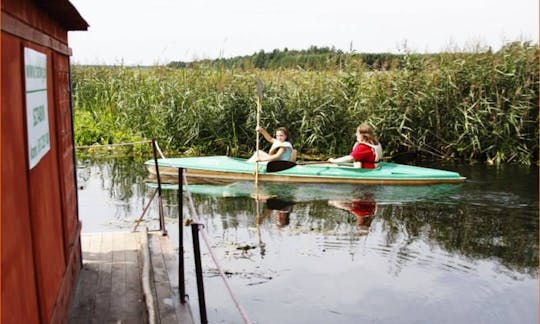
(181, 274)
(139, 220)
(198, 271)
(160, 199)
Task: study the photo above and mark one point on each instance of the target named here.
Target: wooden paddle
(276, 166)
(259, 99)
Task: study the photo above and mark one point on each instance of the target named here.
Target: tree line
(314, 58)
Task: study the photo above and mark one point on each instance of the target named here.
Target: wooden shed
(40, 228)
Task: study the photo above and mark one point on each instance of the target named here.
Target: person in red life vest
(363, 208)
(366, 152)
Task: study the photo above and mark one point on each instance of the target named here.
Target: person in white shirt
(281, 149)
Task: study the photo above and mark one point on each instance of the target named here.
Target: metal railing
(196, 229)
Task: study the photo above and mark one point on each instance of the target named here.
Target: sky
(153, 32)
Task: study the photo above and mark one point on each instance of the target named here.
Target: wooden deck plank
(133, 277)
(183, 311)
(168, 285)
(110, 290)
(165, 301)
(103, 292)
(118, 278)
(84, 301)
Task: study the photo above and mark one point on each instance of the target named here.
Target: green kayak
(216, 169)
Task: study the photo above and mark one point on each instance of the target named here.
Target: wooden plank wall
(40, 226)
(19, 298)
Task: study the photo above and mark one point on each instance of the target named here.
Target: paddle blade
(278, 204)
(259, 89)
(275, 166)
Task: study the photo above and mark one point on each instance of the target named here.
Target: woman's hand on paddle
(264, 133)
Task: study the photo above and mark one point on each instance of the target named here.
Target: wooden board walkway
(165, 281)
(111, 285)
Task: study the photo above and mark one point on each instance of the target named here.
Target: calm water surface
(347, 254)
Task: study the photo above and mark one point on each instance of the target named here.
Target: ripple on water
(421, 255)
(503, 199)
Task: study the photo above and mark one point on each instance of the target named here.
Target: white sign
(37, 117)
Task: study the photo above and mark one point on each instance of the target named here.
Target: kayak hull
(223, 169)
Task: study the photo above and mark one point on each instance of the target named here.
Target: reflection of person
(281, 149)
(282, 218)
(366, 151)
(282, 211)
(363, 209)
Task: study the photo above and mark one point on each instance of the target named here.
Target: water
(433, 254)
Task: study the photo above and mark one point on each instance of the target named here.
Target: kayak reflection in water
(278, 207)
(363, 208)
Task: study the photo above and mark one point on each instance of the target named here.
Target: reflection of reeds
(464, 106)
(478, 232)
(123, 178)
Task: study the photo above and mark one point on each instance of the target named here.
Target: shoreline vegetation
(467, 107)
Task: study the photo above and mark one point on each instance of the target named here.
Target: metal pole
(181, 275)
(139, 220)
(161, 217)
(198, 271)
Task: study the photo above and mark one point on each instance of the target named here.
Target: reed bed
(456, 106)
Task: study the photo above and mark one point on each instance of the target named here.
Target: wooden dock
(128, 278)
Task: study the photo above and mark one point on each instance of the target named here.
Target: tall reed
(463, 106)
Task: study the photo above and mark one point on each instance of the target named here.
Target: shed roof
(63, 12)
